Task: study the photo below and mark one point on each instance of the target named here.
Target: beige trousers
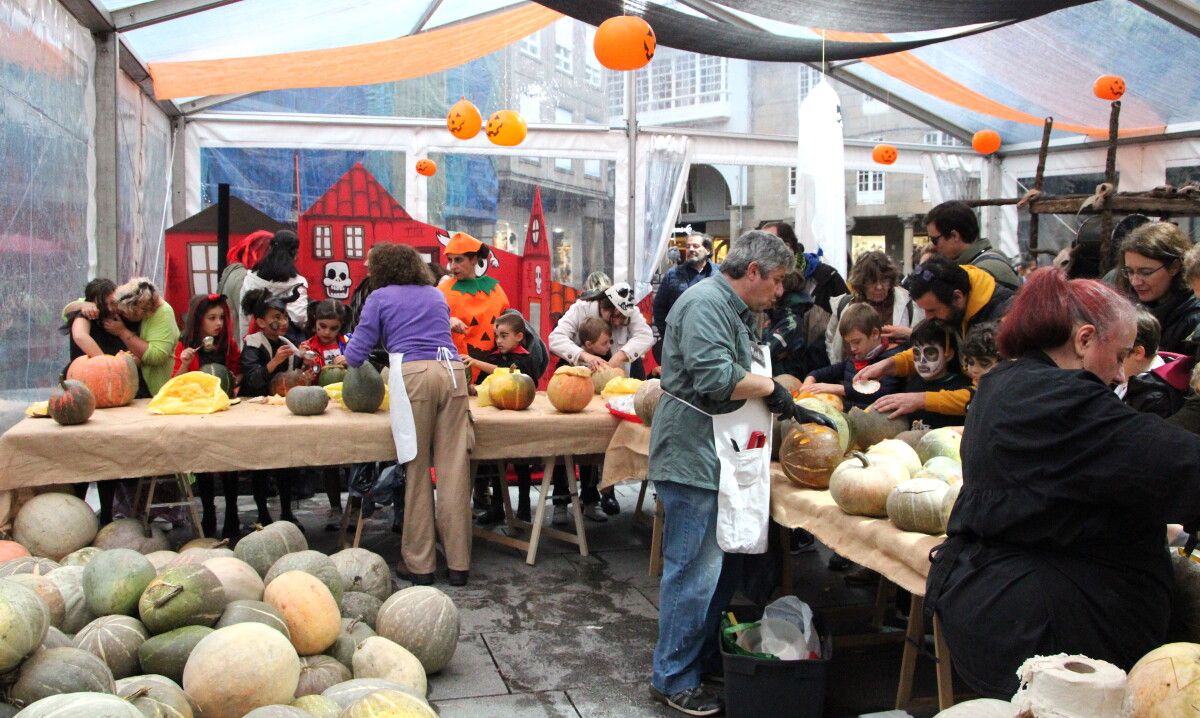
(445, 438)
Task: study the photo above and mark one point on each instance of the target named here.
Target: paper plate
(622, 407)
(869, 386)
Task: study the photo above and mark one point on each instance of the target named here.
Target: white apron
(404, 429)
(744, 492)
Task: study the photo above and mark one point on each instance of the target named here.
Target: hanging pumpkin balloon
(1109, 87)
(625, 42)
(986, 142)
(884, 154)
(463, 120)
(506, 128)
(426, 168)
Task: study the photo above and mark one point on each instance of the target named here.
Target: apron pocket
(748, 466)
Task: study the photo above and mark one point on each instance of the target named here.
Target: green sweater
(993, 262)
(706, 352)
(161, 333)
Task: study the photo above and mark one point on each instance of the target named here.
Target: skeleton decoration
(336, 279)
(621, 295)
(537, 280)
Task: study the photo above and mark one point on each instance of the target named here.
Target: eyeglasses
(1140, 272)
(934, 238)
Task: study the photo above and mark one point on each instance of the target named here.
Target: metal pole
(222, 226)
(631, 139)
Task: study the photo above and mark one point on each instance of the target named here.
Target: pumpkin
(831, 399)
(601, 378)
(81, 557)
(512, 390)
(942, 468)
(646, 398)
(161, 559)
(506, 128)
(221, 372)
(131, 534)
(985, 142)
(24, 620)
(940, 442)
(624, 42)
(318, 706)
(60, 670)
(351, 633)
(362, 389)
(378, 657)
(900, 451)
(912, 437)
(1109, 87)
(238, 578)
(570, 389)
(331, 374)
(423, 620)
(246, 611)
(884, 154)
(871, 427)
(364, 571)
(792, 384)
(167, 653)
(55, 639)
(11, 549)
(320, 673)
(46, 590)
(362, 606)
(916, 505)
(285, 381)
(267, 673)
(464, 119)
(824, 408)
(276, 711)
(113, 380)
(69, 582)
(307, 400)
(426, 167)
(80, 705)
(309, 609)
(948, 502)
(54, 524)
(860, 486)
(71, 403)
(268, 544)
(155, 697)
(182, 596)
(344, 694)
(197, 556)
(313, 563)
(113, 581)
(114, 640)
(809, 454)
(1164, 682)
(385, 704)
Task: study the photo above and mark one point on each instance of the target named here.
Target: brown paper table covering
(128, 442)
(628, 455)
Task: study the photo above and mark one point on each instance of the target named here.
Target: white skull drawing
(537, 279)
(336, 279)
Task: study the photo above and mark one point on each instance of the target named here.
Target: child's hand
(808, 382)
(457, 326)
(896, 334)
(89, 310)
(896, 405)
(339, 360)
(304, 346)
(823, 388)
(593, 362)
(185, 356)
(116, 327)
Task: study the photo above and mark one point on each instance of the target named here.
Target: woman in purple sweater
(432, 428)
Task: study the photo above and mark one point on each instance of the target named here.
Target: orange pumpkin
(463, 120)
(885, 154)
(570, 389)
(832, 399)
(985, 142)
(283, 382)
(113, 380)
(11, 549)
(511, 391)
(809, 454)
(626, 42)
(426, 168)
(1109, 87)
(506, 128)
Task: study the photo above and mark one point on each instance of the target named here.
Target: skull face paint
(336, 280)
(930, 361)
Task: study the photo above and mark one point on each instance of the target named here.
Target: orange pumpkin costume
(477, 302)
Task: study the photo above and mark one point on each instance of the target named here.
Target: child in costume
(475, 299)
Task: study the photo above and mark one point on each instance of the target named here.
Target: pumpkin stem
(221, 544)
(863, 458)
(139, 693)
(174, 591)
(353, 622)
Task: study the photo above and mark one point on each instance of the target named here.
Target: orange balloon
(625, 42)
(1109, 87)
(463, 120)
(884, 154)
(986, 142)
(506, 128)
(426, 168)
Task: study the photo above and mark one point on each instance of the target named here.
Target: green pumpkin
(167, 653)
(307, 400)
(114, 580)
(80, 705)
(362, 389)
(24, 620)
(871, 427)
(247, 611)
(60, 670)
(221, 372)
(331, 374)
(182, 596)
(114, 640)
(424, 621)
(264, 546)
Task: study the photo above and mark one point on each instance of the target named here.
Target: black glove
(780, 401)
(808, 416)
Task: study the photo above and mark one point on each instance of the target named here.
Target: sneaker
(560, 516)
(698, 701)
(611, 506)
(593, 512)
(802, 541)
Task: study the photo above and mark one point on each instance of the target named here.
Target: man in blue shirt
(677, 280)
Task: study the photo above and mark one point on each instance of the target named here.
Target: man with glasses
(954, 232)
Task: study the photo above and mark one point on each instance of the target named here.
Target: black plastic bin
(764, 688)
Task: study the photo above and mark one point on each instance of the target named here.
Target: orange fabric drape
(387, 61)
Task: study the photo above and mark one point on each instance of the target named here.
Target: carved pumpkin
(1109, 87)
(860, 486)
(985, 142)
(426, 167)
(809, 454)
(570, 389)
(283, 382)
(506, 128)
(791, 383)
(72, 403)
(885, 154)
(113, 380)
(837, 417)
(831, 399)
(513, 391)
(463, 120)
(626, 42)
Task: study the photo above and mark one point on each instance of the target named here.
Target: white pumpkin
(941, 467)
(55, 524)
(916, 505)
(860, 485)
(423, 620)
(377, 657)
(900, 451)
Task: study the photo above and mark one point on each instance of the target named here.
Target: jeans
(694, 589)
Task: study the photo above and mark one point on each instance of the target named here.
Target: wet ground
(572, 637)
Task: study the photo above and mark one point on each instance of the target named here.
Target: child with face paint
(266, 352)
(934, 346)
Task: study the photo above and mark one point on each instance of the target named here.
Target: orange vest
(477, 302)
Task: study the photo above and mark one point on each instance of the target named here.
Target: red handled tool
(757, 440)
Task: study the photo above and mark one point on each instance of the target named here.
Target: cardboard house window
(354, 242)
(202, 262)
(323, 242)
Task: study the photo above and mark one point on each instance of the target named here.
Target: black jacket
(1057, 542)
(1148, 392)
(827, 284)
(1179, 315)
(257, 350)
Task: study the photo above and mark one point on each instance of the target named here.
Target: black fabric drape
(896, 15)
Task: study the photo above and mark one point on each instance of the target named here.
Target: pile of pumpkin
(909, 477)
(126, 627)
(569, 391)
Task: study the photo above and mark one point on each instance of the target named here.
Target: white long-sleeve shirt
(297, 308)
(634, 338)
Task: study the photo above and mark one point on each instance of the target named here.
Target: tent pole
(1039, 179)
(631, 140)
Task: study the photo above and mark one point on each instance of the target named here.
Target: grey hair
(764, 248)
